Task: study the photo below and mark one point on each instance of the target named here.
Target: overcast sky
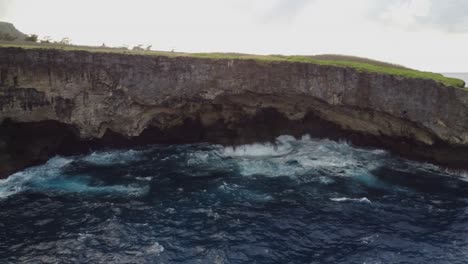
(423, 34)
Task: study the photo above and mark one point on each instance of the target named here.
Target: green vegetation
(334, 57)
(32, 38)
(360, 64)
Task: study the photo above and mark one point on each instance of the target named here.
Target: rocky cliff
(66, 102)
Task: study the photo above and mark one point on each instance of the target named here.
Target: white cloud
(447, 15)
(406, 13)
(4, 4)
(286, 10)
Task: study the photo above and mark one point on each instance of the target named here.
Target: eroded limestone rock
(97, 94)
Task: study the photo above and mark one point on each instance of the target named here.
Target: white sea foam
(281, 147)
(304, 159)
(144, 178)
(326, 180)
(257, 150)
(293, 157)
(51, 177)
(6, 191)
(345, 199)
(461, 174)
(156, 249)
(113, 157)
(23, 180)
(198, 158)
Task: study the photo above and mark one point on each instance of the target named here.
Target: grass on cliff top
(360, 64)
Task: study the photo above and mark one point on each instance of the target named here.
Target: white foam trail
(281, 147)
(292, 157)
(257, 150)
(461, 174)
(50, 177)
(424, 166)
(144, 178)
(113, 157)
(304, 159)
(19, 181)
(8, 191)
(345, 199)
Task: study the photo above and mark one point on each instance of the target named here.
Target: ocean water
(295, 201)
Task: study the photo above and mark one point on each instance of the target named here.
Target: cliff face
(94, 95)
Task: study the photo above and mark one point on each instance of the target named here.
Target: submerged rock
(65, 102)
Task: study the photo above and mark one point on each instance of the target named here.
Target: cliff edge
(66, 102)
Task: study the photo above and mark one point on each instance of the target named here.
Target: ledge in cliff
(66, 102)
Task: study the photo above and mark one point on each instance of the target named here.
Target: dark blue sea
(296, 201)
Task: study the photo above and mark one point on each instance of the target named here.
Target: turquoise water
(296, 201)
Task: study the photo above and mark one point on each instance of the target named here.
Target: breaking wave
(281, 147)
(345, 199)
(54, 176)
(113, 157)
(294, 157)
(299, 200)
(304, 159)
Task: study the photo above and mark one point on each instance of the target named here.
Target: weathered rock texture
(62, 102)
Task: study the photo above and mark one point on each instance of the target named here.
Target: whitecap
(326, 180)
(346, 199)
(460, 174)
(126, 190)
(155, 249)
(281, 147)
(144, 178)
(22, 180)
(369, 239)
(170, 210)
(51, 177)
(198, 158)
(228, 187)
(293, 157)
(113, 157)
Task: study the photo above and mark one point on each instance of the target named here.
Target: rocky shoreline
(71, 102)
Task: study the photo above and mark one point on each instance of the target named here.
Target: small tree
(149, 47)
(32, 38)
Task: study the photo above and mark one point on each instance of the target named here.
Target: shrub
(32, 38)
